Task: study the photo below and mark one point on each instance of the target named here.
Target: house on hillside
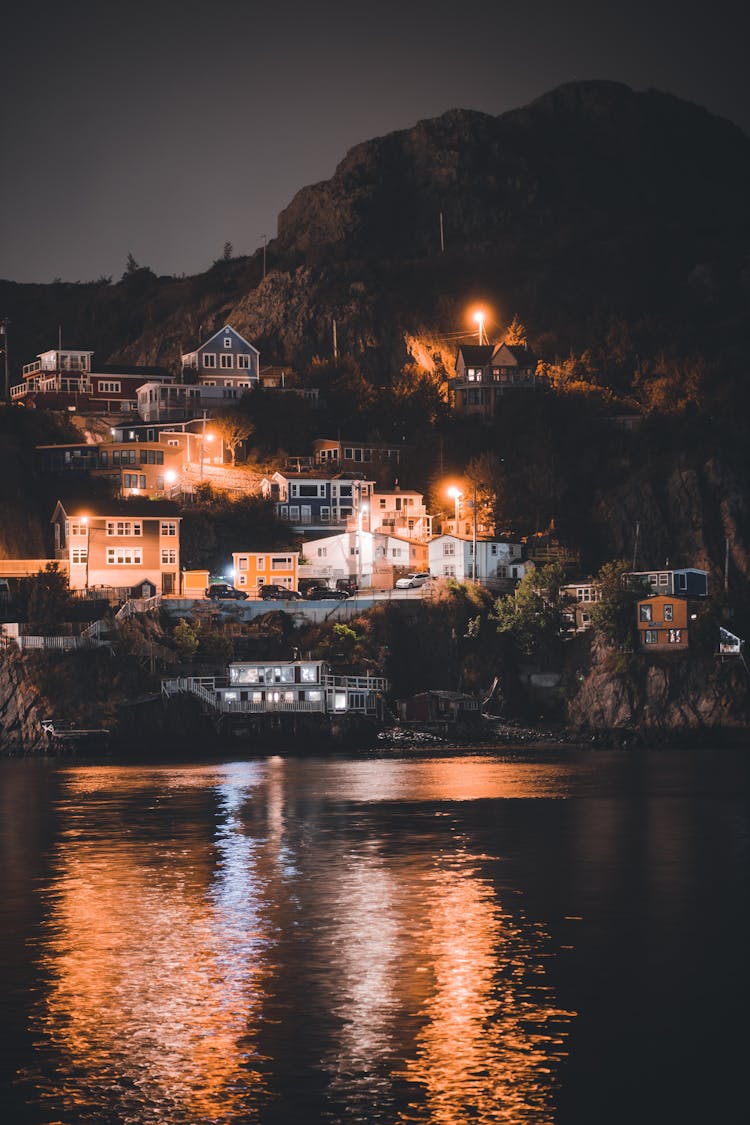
(499, 565)
(579, 597)
(687, 582)
(148, 468)
(226, 359)
(400, 511)
(314, 499)
(485, 372)
(372, 559)
(378, 459)
(253, 569)
(662, 623)
(66, 379)
(119, 544)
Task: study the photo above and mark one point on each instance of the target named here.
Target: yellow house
(194, 583)
(253, 569)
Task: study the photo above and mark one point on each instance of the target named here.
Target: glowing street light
(455, 495)
(479, 318)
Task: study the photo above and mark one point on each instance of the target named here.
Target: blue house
(225, 360)
(316, 500)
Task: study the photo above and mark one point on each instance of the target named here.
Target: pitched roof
(476, 355)
(105, 506)
(523, 356)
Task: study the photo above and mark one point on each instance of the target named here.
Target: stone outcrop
(660, 695)
(22, 706)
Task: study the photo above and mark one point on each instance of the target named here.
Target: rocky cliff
(661, 697)
(22, 706)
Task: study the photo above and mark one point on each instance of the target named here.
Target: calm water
(482, 939)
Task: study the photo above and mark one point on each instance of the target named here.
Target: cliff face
(22, 707)
(661, 695)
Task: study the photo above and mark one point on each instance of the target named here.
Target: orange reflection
(156, 973)
(490, 1041)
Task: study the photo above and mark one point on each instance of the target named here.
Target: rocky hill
(613, 222)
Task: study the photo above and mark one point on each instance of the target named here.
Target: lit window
(168, 527)
(168, 556)
(668, 612)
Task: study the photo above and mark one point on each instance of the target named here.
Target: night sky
(165, 129)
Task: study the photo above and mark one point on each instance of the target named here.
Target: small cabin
(662, 623)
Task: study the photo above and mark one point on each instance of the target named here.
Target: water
(473, 939)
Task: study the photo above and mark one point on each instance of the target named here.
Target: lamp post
(474, 535)
(4, 333)
(204, 438)
(479, 318)
(455, 494)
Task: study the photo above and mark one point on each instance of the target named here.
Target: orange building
(662, 623)
(253, 569)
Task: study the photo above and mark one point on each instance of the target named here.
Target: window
(322, 552)
(644, 612)
(242, 563)
(168, 527)
(675, 636)
(294, 511)
(209, 360)
(682, 581)
(173, 441)
(356, 701)
(151, 456)
(308, 673)
(78, 528)
(168, 556)
(261, 563)
(243, 362)
(449, 570)
(281, 563)
(325, 515)
(668, 611)
(651, 636)
(109, 387)
(663, 579)
(79, 555)
(449, 549)
(124, 556)
(122, 528)
(226, 361)
(493, 548)
(227, 341)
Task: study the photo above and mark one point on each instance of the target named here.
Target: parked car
(411, 581)
(224, 590)
(325, 593)
(348, 584)
(278, 593)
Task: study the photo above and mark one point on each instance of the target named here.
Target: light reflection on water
(173, 891)
(375, 941)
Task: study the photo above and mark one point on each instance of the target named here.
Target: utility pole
(726, 564)
(265, 243)
(474, 538)
(6, 384)
(335, 344)
(635, 545)
(442, 235)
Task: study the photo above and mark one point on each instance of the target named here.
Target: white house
(372, 558)
(499, 565)
(400, 511)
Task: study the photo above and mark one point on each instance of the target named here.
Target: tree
(614, 614)
(185, 639)
(228, 251)
(131, 266)
(233, 427)
(515, 333)
(49, 599)
(533, 615)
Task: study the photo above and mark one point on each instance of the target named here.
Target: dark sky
(165, 128)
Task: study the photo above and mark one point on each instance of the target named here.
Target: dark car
(349, 585)
(224, 590)
(271, 592)
(325, 593)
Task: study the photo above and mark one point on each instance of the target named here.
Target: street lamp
(455, 494)
(479, 318)
(204, 438)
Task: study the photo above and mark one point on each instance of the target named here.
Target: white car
(418, 578)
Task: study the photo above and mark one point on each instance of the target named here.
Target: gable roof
(476, 355)
(522, 355)
(98, 506)
(222, 332)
